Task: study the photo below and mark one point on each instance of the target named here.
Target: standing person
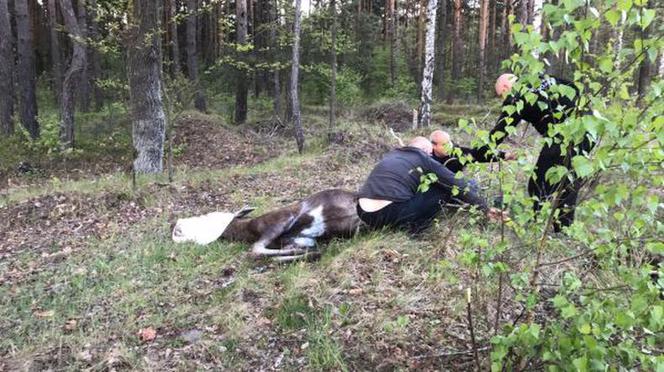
(550, 108)
(390, 197)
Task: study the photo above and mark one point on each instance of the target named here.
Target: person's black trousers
(549, 157)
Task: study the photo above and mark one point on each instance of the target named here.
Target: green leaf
(647, 17)
(585, 329)
(582, 166)
(624, 5)
(605, 64)
(581, 364)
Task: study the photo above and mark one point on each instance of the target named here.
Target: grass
(379, 300)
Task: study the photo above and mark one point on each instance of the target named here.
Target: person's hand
(510, 155)
(497, 215)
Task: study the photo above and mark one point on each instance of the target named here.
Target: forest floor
(90, 279)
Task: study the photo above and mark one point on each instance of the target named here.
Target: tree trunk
(523, 12)
(173, 31)
(144, 70)
(645, 73)
(297, 120)
(56, 51)
(421, 24)
(26, 69)
(442, 46)
(192, 55)
(484, 23)
(93, 54)
(84, 83)
(241, 39)
(72, 76)
(276, 79)
(427, 74)
(457, 48)
(6, 71)
(491, 53)
(391, 25)
(507, 38)
(333, 65)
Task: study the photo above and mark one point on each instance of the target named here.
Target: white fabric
(202, 229)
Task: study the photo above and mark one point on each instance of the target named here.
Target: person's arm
(447, 179)
(480, 157)
(483, 154)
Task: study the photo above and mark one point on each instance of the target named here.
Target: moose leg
(260, 248)
(309, 255)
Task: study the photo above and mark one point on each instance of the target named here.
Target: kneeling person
(389, 197)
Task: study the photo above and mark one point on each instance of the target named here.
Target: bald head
(504, 84)
(422, 144)
(441, 142)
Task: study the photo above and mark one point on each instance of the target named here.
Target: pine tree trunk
(173, 31)
(523, 12)
(441, 61)
(72, 76)
(26, 69)
(6, 71)
(55, 49)
(391, 26)
(484, 23)
(457, 47)
(421, 25)
(507, 37)
(93, 54)
(192, 55)
(333, 65)
(427, 74)
(491, 52)
(297, 120)
(644, 77)
(241, 39)
(276, 79)
(144, 70)
(84, 83)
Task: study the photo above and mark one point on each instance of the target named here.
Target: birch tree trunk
(192, 55)
(333, 65)
(144, 70)
(242, 86)
(427, 74)
(72, 76)
(297, 120)
(26, 70)
(484, 23)
(56, 51)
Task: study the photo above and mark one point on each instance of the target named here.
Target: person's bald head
(504, 84)
(441, 142)
(422, 144)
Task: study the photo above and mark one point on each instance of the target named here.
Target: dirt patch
(202, 142)
(395, 115)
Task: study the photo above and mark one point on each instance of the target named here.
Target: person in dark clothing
(390, 197)
(444, 154)
(556, 101)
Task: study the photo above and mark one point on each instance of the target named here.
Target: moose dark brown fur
(291, 232)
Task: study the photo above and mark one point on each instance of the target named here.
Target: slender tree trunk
(192, 55)
(421, 24)
(93, 55)
(26, 69)
(6, 71)
(391, 26)
(427, 74)
(276, 79)
(507, 37)
(144, 70)
(491, 55)
(333, 65)
(56, 51)
(72, 76)
(523, 12)
(173, 31)
(84, 83)
(241, 39)
(457, 47)
(645, 73)
(297, 120)
(535, 12)
(441, 60)
(484, 23)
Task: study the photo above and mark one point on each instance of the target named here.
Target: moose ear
(244, 211)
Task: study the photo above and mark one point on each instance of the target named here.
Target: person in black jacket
(390, 196)
(443, 152)
(555, 101)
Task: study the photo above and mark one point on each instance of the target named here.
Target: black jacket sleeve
(483, 153)
(447, 179)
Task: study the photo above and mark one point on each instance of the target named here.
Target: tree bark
(276, 79)
(72, 76)
(484, 23)
(645, 74)
(6, 71)
(427, 74)
(192, 55)
(56, 51)
(333, 65)
(491, 41)
(144, 70)
(523, 12)
(297, 120)
(174, 43)
(391, 35)
(84, 83)
(241, 39)
(26, 69)
(421, 29)
(442, 46)
(93, 54)
(457, 47)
